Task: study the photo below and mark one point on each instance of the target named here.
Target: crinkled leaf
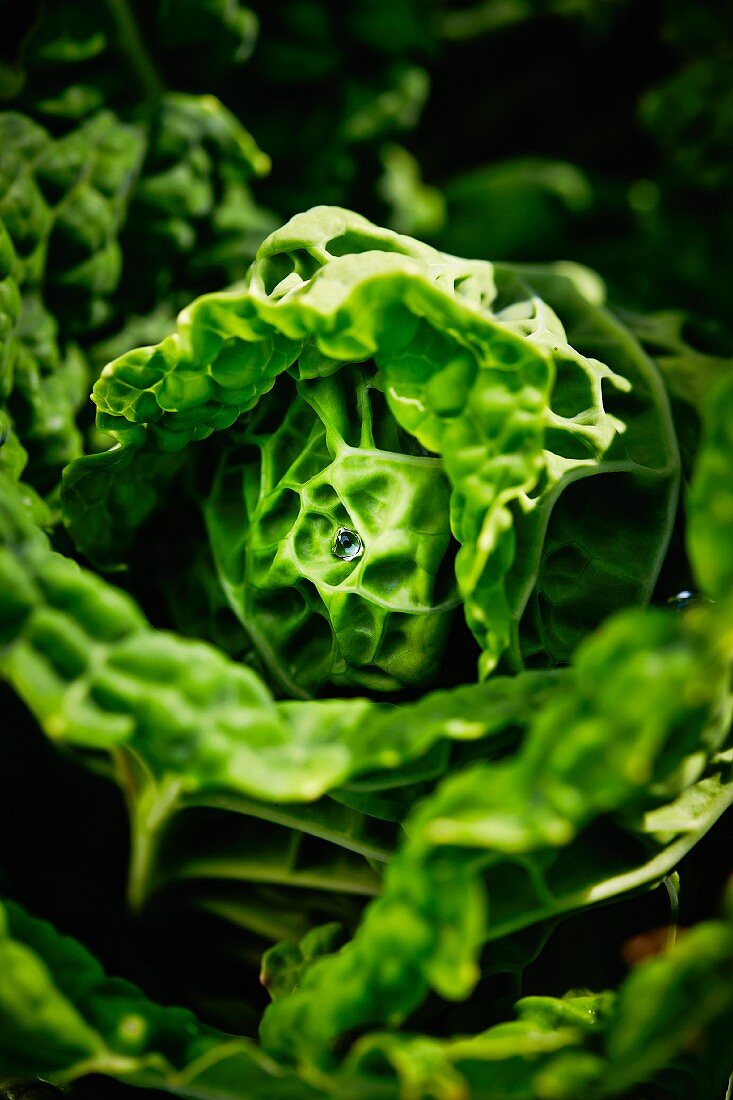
(61, 1018)
(592, 1046)
(63, 201)
(608, 416)
(462, 383)
(646, 704)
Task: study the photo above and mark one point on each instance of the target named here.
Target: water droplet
(347, 545)
(681, 600)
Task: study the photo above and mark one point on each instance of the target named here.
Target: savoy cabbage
(366, 657)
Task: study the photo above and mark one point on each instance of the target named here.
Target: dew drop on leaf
(347, 544)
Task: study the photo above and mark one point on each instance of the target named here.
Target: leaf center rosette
(445, 414)
(332, 539)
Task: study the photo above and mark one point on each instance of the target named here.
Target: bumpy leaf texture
(647, 703)
(360, 390)
(465, 414)
(61, 209)
(99, 163)
(63, 1018)
(189, 728)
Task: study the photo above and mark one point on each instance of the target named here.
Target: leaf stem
(151, 803)
(151, 808)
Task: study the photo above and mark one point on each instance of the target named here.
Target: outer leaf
(586, 547)
(415, 207)
(61, 207)
(193, 223)
(10, 305)
(508, 207)
(710, 500)
(61, 1018)
(591, 1046)
(667, 1004)
(284, 964)
(192, 220)
(189, 727)
(691, 355)
(63, 202)
(647, 701)
(113, 707)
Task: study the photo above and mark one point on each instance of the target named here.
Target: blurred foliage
(632, 108)
(611, 139)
